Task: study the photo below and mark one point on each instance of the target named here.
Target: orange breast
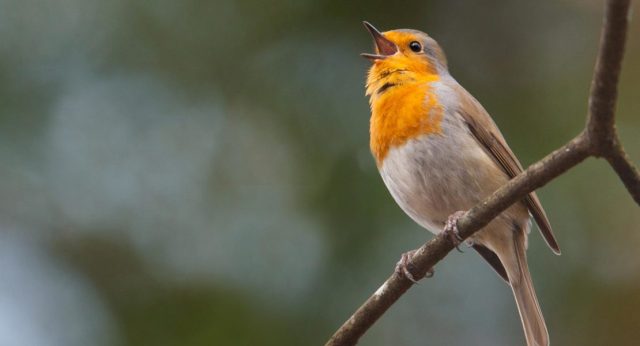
(401, 113)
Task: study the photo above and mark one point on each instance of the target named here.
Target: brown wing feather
(493, 260)
(487, 133)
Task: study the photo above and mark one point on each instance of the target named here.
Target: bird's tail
(535, 329)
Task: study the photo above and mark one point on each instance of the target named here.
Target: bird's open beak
(384, 47)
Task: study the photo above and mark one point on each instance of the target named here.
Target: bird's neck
(404, 106)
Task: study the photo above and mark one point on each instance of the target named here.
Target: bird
(439, 153)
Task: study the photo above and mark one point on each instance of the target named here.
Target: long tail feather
(533, 323)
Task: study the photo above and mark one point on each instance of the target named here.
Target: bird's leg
(451, 228)
(403, 266)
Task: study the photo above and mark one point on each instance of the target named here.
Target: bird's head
(411, 52)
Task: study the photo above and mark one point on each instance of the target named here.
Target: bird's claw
(402, 267)
(451, 229)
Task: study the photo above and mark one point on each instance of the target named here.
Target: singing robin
(439, 152)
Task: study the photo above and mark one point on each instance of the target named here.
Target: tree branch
(628, 173)
(599, 139)
(602, 103)
(604, 85)
(437, 248)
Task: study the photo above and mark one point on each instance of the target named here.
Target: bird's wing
(488, 135)
(493, 260)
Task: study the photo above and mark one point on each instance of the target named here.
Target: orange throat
(403, 106)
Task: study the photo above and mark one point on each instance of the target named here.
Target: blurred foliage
(197, 173)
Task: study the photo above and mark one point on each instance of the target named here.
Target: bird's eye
(415, 46)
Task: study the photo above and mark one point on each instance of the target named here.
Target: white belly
(433, 176)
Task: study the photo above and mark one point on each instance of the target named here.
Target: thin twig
(598, 139)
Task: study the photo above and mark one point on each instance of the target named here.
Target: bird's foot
(451, 228)
(404, 267)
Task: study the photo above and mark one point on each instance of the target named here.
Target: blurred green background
(198, 173)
